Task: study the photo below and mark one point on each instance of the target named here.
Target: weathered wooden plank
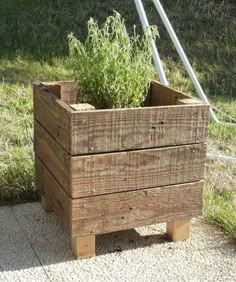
(84, 246)
(56, 198)
(108, 213)
(119, 129)
(53, 155)
(46, 204)
(68, 90)
(52, 113)
(82, 107)
(54, 88)
(179, 229)
(188, 101)
(127, 129)
(82, 176)
(132, 170)
(162, 95)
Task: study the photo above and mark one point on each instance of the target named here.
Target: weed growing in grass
(113, 69)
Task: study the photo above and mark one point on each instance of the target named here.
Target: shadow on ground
(39, 238)
(34, 245)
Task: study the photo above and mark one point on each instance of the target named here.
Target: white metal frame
(183, 57)
(179, 49)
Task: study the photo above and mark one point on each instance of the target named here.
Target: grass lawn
(33, 47)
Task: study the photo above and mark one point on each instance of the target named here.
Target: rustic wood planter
(107, 170)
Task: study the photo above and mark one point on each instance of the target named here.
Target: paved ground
(34, 247)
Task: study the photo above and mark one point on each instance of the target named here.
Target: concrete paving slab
(17, 259)
(143, 254)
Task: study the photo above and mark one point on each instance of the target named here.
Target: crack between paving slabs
(25, 235)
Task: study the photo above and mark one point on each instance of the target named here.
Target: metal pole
(221, 157)
(183, 57)
(156, 57)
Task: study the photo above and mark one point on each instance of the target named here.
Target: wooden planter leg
(178, 230)
(45, 204)
(83, 246)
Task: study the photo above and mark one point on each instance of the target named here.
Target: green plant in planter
(113, 69)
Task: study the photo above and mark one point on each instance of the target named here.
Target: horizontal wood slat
(108, 213)
(101, 131)
(83, 176)
(162, 95)
(110, 173)
(57, 199)
(82, 107)
(188, 101)
(127, 129)
(53, 155)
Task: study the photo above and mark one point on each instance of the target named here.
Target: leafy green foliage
(113, 69)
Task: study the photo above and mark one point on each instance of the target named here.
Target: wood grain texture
(54, 88)
(82, 176)
(82, 107)
(127, 129)
(84, 246)
(46, 204)
(188, 101)
(114, 130)
(68, 90)
(54, 196)
(53, 114)
(108, 213)
(53, 155)
(132, 170)
(179, 229)
(162, 95)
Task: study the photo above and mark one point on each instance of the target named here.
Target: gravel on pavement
(35, 247)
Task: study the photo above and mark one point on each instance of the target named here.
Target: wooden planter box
(107, 170)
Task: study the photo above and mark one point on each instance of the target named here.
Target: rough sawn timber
(54, 198)
(97, 174)
(133, 170)
(107, 213)
(128, 129)
(101, 171)
(114, 130)
(53, 114)
(125, 210)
